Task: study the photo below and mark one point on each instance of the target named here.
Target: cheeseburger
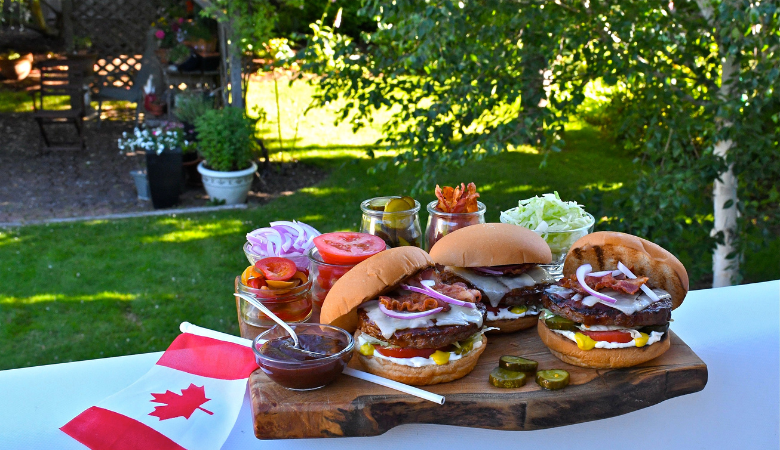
(613, 306)
(408, 325)
(501, 261)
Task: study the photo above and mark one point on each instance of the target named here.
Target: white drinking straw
(187, 327)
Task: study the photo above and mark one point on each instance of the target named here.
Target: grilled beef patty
(528, 296)
(657, 313)
(430, 337)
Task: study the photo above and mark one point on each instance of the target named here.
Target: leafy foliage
(226, 139)
(468, 79)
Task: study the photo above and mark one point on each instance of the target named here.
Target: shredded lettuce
(552, 218)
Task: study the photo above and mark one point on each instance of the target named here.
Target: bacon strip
(459, 199)
(606, 282)
(403, 300)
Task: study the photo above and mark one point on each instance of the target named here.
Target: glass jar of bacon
(280, 286)
(455, 208)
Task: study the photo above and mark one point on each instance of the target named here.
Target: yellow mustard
(584, 342)
(366, 349)
(642, 340)
(440, 357)
(518, 309)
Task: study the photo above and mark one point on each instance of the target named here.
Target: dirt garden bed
(96, 181)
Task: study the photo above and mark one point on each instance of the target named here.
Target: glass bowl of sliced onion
(287, 239)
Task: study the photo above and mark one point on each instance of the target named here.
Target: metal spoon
(281, 323)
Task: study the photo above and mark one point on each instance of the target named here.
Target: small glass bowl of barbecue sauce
(297, 370)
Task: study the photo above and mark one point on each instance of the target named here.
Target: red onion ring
(649, 292)
(427, 290)
(487, 271)
(397, 315)
(582, 271)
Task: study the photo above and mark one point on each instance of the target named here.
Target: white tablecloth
(734, 330)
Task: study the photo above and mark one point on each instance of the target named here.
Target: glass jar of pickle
(323, 275)
(442, 223)
(292, 306)
(394, 219)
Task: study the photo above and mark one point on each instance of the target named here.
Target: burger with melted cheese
(613, 306)
(408, 325)
(501, 261)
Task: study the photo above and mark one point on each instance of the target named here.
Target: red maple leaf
(180, 405)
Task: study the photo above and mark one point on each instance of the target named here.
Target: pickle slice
(560, 323)
(517, 364)
(378, 204)
(397, 205)
(552, 379)
(409, 201)
(502, 378)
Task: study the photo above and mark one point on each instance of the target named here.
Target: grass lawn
(97, 289)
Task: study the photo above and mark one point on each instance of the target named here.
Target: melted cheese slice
(626, 303)
(457, 315)
(495, 288)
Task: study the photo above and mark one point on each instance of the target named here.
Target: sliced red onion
(487, 270)
(649, 292)
(430, 292)
(584, 270)
(604, 273)
(417, 315)
(282, 238)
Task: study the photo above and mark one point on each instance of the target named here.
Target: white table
(735, 330)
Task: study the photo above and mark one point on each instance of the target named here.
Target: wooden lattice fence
(118, 30)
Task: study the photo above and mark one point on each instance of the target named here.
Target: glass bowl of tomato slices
(324, 275)
(293, 306)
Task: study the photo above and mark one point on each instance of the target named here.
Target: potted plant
(163, 159)
(226, 140)
(15, 66)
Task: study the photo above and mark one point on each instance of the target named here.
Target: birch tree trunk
(724, 192)
(724, 198)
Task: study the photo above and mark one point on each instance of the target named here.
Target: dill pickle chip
(552, 379)
(503, 378)
(378, 204)
(560, 323)
(517, 364)
(409, 201)
(397, 205)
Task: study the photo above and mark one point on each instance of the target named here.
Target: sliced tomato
(276, 268)
(327, 275)
(405, 352)
(348, 247)
(618, 336)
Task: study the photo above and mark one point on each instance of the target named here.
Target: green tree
(468, 79)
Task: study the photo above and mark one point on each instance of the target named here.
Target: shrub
(191, 104)
(226, 139)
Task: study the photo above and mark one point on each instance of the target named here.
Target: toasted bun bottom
(511, 325)
(600, 358)
(425, 375)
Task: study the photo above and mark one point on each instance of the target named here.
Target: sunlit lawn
(88, 290)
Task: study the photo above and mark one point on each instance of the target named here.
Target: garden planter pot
(232, 187)
(190, 163)
(141, 184)
(164, 172)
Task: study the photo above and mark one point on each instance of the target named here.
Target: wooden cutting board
(353, 407)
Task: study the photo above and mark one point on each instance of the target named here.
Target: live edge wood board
(353, 407)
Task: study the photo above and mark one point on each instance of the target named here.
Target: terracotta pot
(16, 69)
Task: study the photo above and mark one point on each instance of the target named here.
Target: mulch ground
(37, 185)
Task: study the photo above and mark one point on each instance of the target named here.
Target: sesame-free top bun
(604, 249)
(369, 279)
(567, 351)
(491, 244)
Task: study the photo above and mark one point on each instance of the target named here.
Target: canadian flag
(189, 400)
